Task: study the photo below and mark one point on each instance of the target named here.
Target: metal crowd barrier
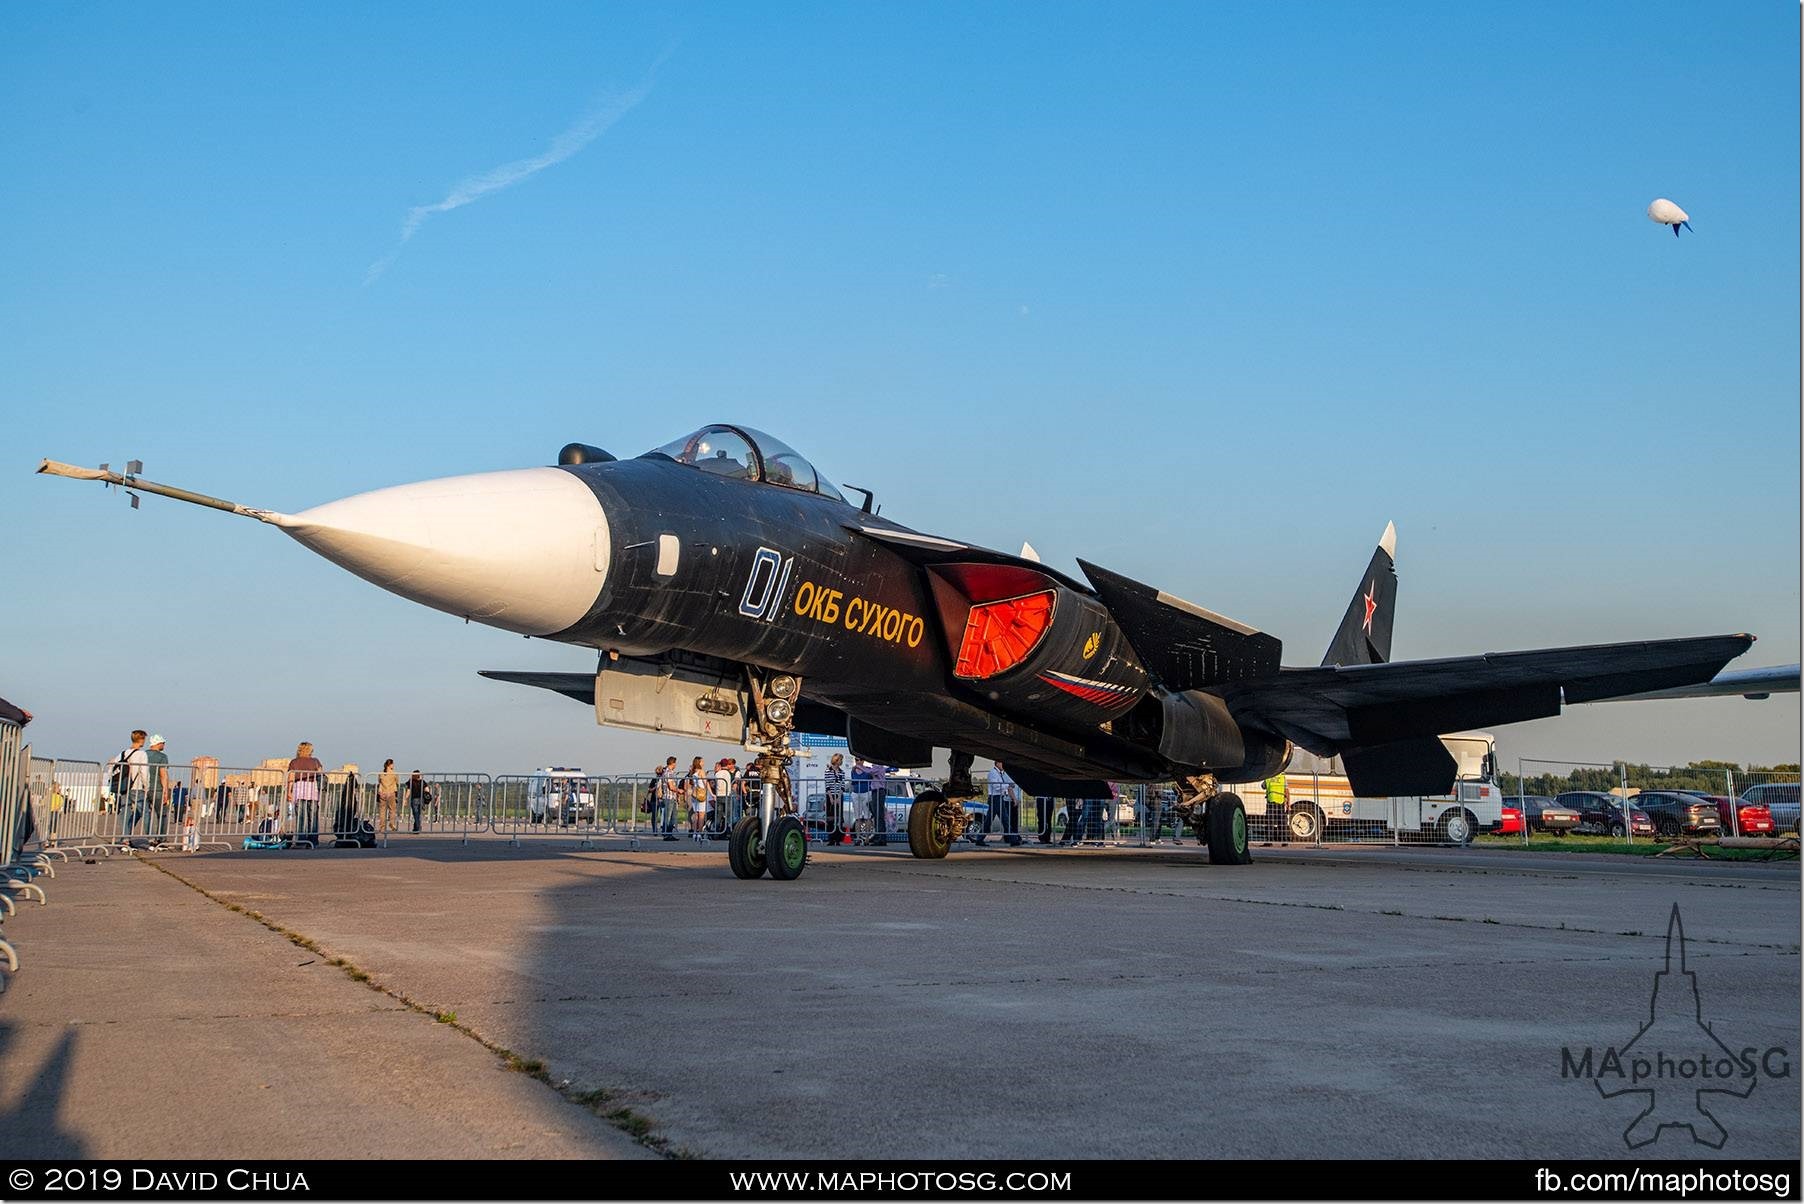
(19, 868)
(82, 810)
(73, 806)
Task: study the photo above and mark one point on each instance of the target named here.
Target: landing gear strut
(938, 818)
(775, 838)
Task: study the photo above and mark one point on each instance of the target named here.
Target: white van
(560, 794)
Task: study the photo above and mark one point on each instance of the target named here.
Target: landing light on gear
(775, 838)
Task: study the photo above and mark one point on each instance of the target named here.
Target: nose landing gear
(774, 838)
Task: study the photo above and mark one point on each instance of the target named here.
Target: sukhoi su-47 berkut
(732, 592)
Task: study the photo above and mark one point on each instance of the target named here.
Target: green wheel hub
(794, 851)
(1240, 830)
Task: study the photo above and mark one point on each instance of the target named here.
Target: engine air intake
(999, 635)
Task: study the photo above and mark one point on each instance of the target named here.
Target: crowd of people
(706, 801)
(709, 799)
(849, 802)
(155, 807)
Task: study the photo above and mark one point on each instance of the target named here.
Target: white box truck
(1323, 807)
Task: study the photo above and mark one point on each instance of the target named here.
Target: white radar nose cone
(525, 550)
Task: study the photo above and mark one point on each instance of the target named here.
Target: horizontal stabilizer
(1185, 646)
(1333, 708)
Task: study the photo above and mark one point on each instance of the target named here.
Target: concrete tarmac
(1002, 1003)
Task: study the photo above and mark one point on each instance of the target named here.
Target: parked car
(1542, 814)
(1675, 812)
(1735, 816)
(1601, 813)
(1780, 800)
(560, 794)
(1510, 824)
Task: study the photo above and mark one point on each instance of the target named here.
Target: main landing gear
(1219, 820)
(938, 817)
(774, 838)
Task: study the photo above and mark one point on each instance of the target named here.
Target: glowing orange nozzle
(999, 635)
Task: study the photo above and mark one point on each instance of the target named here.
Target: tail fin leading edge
(1364, 637)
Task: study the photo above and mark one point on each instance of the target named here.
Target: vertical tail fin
(1364, 637)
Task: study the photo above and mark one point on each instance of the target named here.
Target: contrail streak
(473, 188)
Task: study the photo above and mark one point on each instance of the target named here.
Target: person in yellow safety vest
(1277, 804)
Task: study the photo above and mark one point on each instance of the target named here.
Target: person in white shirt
(724, 810)
(1005, 802)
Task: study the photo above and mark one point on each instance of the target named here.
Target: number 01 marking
(765, 584)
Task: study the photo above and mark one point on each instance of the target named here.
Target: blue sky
(1204, 293)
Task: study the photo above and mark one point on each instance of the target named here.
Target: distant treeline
(1713, 776)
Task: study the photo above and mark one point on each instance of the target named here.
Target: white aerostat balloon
(1668, 214)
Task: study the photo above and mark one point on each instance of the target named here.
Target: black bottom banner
(681, 1179)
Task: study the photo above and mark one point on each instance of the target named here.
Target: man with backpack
(128, 779)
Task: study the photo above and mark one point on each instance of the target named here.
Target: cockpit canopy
(750, 455)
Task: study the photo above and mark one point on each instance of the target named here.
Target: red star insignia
(1371, 605)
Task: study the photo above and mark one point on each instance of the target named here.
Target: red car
(1510, 824)
(1754, 820)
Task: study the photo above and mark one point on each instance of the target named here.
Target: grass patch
(630, 1121)
(1644, 846)
(530, 1067)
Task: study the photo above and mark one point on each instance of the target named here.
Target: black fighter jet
(733, 593)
